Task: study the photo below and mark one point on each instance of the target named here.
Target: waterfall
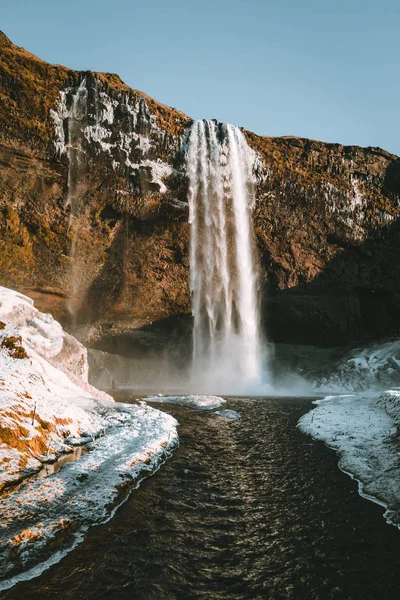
(77, 115)
(227, 350)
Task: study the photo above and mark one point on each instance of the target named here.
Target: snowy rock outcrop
(375, 367)
(89, 120)
(43, 389)
(47, 409)
(389, 401)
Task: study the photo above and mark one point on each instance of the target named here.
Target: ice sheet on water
(202, 402)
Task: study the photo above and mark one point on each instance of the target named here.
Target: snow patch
(389, 401)
(362, 435)
(375, 367)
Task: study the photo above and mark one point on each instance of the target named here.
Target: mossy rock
(13, 345)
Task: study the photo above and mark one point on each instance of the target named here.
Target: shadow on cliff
(391, 183)
(118, 296)
(354, 299)
(107, 288)
(169, 339)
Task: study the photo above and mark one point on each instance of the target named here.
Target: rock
(326, 217)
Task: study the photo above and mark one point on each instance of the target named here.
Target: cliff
(93, 216)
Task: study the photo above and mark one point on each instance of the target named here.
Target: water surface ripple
(245, 509)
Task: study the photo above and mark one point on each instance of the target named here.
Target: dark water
(245, 509)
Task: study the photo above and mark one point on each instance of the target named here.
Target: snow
(348, 206)
(159, 170)
(364, 436)
(192, 401)
(375, 368)
(358, 200)
(47, 408)
(104, 127)
(108, 108)
(362, 425)
(87, 491)
(389, 401)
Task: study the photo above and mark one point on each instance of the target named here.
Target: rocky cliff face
(93, 216)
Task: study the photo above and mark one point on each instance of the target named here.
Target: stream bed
(245, 508)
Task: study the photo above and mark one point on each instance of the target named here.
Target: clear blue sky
(324, 69)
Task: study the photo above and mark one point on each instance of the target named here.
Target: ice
(192, 401)
(85, 492)
(364, 436)
(228, 414)
(375, 367)
(103, 128)
(46, 409)
(59, 115)
(159, 170)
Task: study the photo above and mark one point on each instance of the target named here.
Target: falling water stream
(227, 349)
(75, 152)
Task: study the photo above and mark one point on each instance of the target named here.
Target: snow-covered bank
(57, 510)
(389, 401)
(363, 431)
(46, 409)
(46, 404)
(372, 368)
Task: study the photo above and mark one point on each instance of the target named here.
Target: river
(247, 508)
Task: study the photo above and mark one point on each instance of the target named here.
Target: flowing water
(75, 153)
(245, 509)
(226, 328)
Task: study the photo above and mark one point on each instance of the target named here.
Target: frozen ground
(363, 429)
(47, 409)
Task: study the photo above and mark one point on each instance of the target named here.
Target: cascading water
(227, 350)
(77, 114)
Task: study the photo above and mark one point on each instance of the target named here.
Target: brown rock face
(327, 227)
(93, 216)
